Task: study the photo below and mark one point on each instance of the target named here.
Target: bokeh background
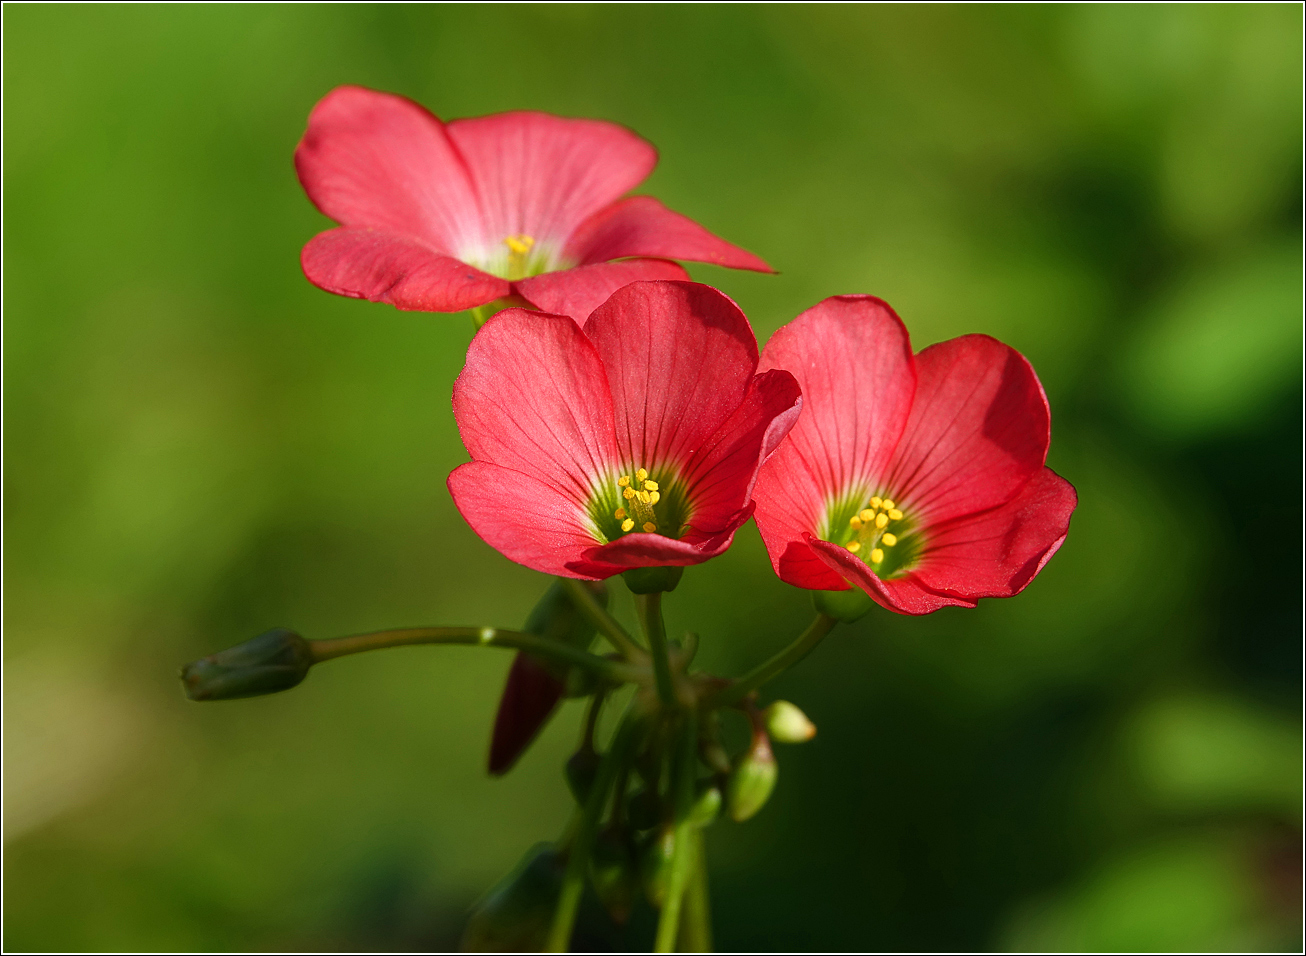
(200, 445)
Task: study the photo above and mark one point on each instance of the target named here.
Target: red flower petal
(578, 292)
(979, 430)
(386, 267)
(640, 550)
(721, 475)
(997, 553)
(533, 397)
(642, 226)
(680, 357)
(903, 595)
(525, 518)
(529, 698)
(371, 160)
(541, 176)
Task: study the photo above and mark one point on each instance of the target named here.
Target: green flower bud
(787, 724)
(652, 580)
(655, 864)
(846, 606)
(615, 877)
(752, 781)
(515, 915)
(275, 660)
(581, 769)
(706, 805)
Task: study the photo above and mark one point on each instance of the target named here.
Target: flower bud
(847, 606)
(515, 915)
(275, 660)
(615, 877)
(752, 780)
(581, 769)
(787, 724)
(655, 864)
(706, 805)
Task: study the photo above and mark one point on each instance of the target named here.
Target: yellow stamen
(855, 546)
(650, 526)
(876, 501)
(654, 497)
(895, 514)
(889, 539)
(619, 513)
(644, 497)
(519, 245)
(881, 520)
(855, 523)
(877, 555)
(623, 481)
(627, 524)
(627, 493)
(650, 485)
(888, 504)
(642, 474)
(867, 515)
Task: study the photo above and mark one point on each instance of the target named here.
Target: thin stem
(488, 636)
(573, 880)
(682, 856)
(736, 691)
(696, 923)
(479, 314)
(648, 607)
(608, 625)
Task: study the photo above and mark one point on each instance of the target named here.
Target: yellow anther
(889, 539)
(650, 526)
(877, 555)
(520, 245)
(623, 481)
(644, 497)
(654, 497)
(619, 513)
(627, 524)
(895, 514)
(888, 504)
(881, 520)
(876, 502)
(867, 515)
(855, 523)
(855, 546)
(641, 474)
(650, 485)
(627, 493)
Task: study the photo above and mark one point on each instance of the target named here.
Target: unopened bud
(706, 806)
(655, 865)
(752, 781)
(581, 769)
(275, 660)
(787, 724)
(615, 878)
(515, 915)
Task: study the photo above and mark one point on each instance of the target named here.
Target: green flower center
(876, 530)
(640, 501)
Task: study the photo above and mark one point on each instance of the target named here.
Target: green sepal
(752, 781)
(276, 660)
(846, 606)
(514, 916)
(652, 580)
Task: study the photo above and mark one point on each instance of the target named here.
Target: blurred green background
(200, 445)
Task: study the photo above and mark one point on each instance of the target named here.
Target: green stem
(479, 315)
(542, 646)
(598, 615)
(648, 607)
(696, 923)
(682, 856)
(737, 690)
(573, 880)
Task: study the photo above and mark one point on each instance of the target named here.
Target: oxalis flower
(632, 442)
(919, 479)
(442, 217)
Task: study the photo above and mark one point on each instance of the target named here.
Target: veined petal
(578, 292)
(534, 398)
(394, 268)
(978, 431)
(679, 357)
(540, 176)
(372, 160)
(904, 595)
(642, 226)
(640, 550)
(525, 518)
(721, 475)
(790, 505)
(852, 358)
(998, 552)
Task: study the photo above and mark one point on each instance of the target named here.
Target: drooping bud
(787, 724)
(275, 660)
(515, 915)
(846, 606)
(751, 782)
(707, 805)
(655, 864)
(615, 877)
(581, 769)
(534, 686)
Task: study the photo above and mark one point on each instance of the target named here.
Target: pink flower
(919, 479)
(444, 217)
(633, 442)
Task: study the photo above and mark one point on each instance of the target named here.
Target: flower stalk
(649, 609)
